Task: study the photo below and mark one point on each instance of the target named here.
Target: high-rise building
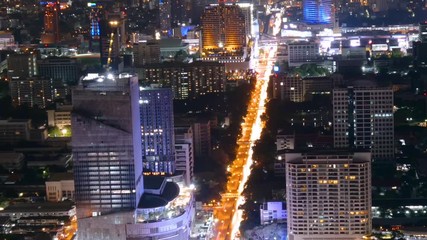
(179, 15)
(146, 53)
(363, 118)
(184, 151)
(165, 16)
(60, 68)
(317, 11)
(32, 91)
(106, 145)
(223, 31)
(328, 195)
(114, 198)
(157, 129)
(22, 65)
(202, 138)
(51, 33)
(187, 80)
(288, 87)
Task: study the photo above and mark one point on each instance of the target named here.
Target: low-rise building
(60, 186)
(11, 160)
(39, 210)
(165, 211)
(272, 212)
(15, 130)
(285, 141)
(59, 117)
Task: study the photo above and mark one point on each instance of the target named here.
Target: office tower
(157, 129)
(106, 145)
(317, 11)
(146, 53)
(328, 195)
(184, 151)
(302, 53)
(31, 91)
(63, 69)
(223, 31)
(202, 138)
(165, 16)
(187, 80)
(22, 65)
(363, 118)
(51, 32)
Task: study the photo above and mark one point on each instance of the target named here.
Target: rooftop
(61, 176)
(39, 207)
(153, 182)
(169, 193)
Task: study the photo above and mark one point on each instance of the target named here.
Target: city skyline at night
(213, 120)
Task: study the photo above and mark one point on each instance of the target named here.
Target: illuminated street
(227, 214)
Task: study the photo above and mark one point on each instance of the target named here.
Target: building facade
(363, 118)
(32, 91)
(223, 30)
(157, 129)
(146, 53)
(187, 80)
(22, 65)
(328, 195)
(202, 138)
(184, 152)
(272, 212)
(59, 117)
(302, 53)
(106, 143)
(60, 186)
(61, 68)
(317, 12)
(15, 130)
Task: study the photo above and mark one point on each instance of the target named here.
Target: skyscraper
(51, 23)
(317, 11)
(157, 129)
(363, 118)
(223, 30)
(328, 195)
(106, 145)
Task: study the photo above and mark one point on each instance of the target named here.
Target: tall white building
(363, 118)
(328, 195)
(184, 152)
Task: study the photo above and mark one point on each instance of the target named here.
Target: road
(227, 214)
